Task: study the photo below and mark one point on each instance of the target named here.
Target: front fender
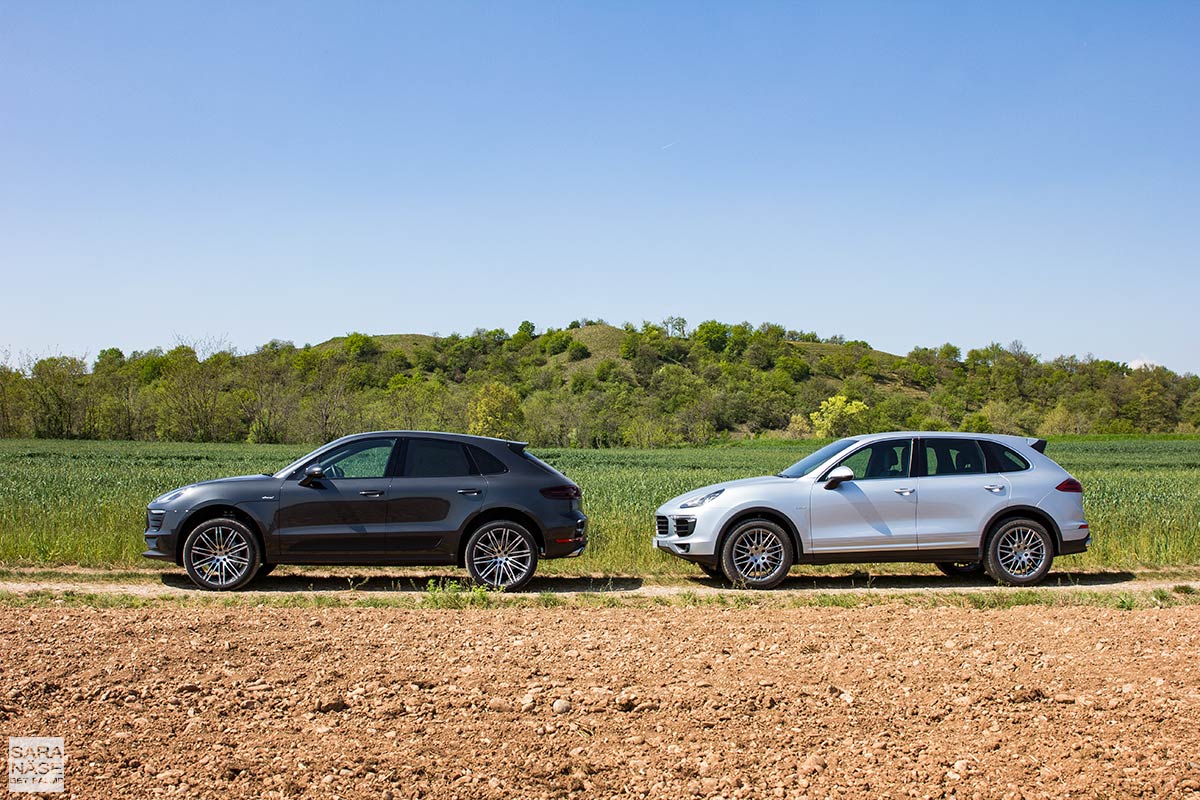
(797, 528)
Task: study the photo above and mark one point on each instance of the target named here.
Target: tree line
(640, 386)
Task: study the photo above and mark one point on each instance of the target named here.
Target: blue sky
(905, 173)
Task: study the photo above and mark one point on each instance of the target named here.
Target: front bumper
(159, 546)
(690, 536)
(159, 535)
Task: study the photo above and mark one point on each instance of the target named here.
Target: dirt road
(888, 701)
(347, 583)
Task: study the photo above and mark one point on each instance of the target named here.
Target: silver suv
(967, 502)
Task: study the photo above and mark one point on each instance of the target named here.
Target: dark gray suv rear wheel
(501, 555)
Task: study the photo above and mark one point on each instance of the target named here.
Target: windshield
(811, 462)
(298, 463)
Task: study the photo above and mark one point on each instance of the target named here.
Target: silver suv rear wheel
(1019, 552)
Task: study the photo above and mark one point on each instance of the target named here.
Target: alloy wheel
(1021, 551)
(502, 557)
(220, 555)
(758, 553)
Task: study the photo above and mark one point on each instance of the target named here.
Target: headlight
(174, 494)
(696, 502)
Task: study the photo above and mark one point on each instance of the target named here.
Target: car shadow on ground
(878, 582)
(411, 582)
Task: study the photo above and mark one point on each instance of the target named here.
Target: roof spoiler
(517, 447)
(1039, 445)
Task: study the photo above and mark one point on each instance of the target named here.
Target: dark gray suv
(383, 498)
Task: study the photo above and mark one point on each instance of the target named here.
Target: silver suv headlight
(696, 502)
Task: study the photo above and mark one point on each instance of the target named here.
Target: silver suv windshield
(811, 462)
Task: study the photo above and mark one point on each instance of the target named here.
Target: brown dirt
(889, 701)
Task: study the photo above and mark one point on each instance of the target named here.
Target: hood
(703, 490)
(175, 494)
(235, 479)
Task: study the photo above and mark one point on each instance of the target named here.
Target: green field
(75, 502)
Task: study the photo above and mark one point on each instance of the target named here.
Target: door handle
(468, 491)
(994, 488)
(905, 492)
(372, 493)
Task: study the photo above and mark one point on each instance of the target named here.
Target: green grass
(64, 502)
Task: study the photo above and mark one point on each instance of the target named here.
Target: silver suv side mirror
(838, 476)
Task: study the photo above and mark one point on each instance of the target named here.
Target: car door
(875, 511)
(956, 496)
(341, 518)
(437, 490)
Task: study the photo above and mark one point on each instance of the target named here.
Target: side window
(1002, 459)
(880, 460)
(953, 457)
(487, 463)
(435, 458)
(367, 458)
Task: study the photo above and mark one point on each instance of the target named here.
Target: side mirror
(838, 476)
(313, 473)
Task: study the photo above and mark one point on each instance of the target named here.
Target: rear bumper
(567, 541)
(1074, 546)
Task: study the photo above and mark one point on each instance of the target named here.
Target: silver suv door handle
(372, 493)
(995, 488)
(905, 492)
(468, 491)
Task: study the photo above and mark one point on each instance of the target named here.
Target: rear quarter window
(1003, 459)
(487, 463)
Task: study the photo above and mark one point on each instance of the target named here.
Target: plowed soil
(887, 701)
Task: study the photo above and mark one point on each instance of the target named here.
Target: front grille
(154, 519)
(684, 526)
(663, 525)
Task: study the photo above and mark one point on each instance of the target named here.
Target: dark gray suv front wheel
(221, 554)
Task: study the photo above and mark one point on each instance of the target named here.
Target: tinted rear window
(487, 463)
(434, 458)
(541, 464)
(953, 457)
(1003, 459)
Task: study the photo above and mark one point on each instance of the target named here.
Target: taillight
(1070, 485)
(568, 492)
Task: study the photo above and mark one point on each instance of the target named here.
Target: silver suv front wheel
(757, 554)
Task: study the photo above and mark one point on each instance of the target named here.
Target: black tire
(221, 555)
(501, 555)
(1019, 552)
(757, 554)
(712, 570)
(961, 569)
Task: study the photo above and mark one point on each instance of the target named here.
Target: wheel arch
(215, 511)
(1020, 512)
(522, 518)
(761, 512)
